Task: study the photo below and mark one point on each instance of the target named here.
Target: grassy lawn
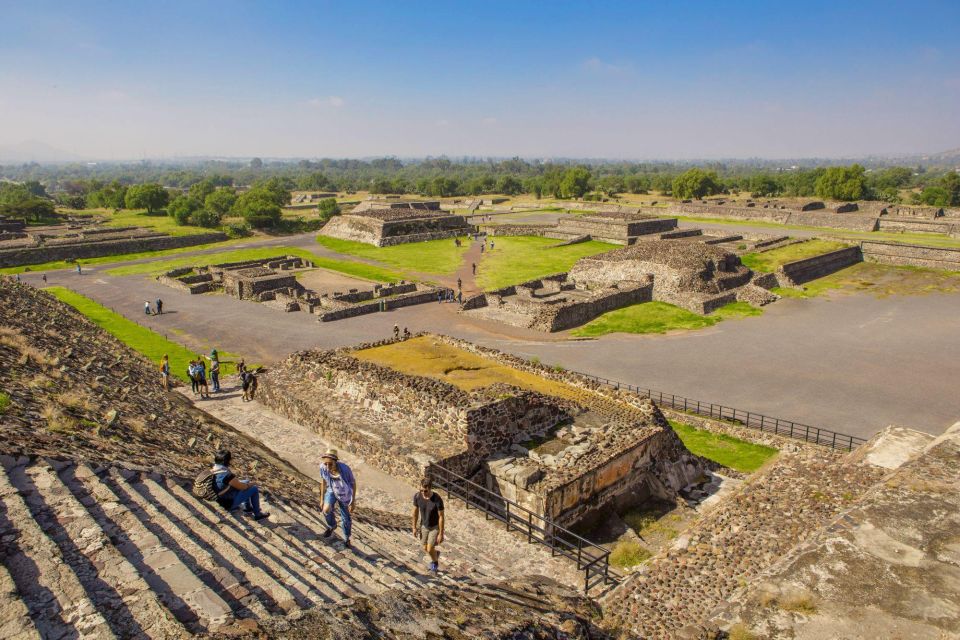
(141, 339)
(659, 317)
(731, 452)
(438, 257)
(520, 258)
(768, 261)
(123, 257)
(358, 269)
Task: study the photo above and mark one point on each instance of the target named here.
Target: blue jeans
(249, 498)
(331, 501)
(215, 379)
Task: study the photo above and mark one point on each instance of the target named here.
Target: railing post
(508, 515)
(530, 527)
(833, 445)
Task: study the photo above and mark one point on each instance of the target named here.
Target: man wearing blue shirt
(339, 490)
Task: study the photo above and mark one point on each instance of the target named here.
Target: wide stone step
(15, 621)
(301, 592)
(163, 564)
(207, 561)
(114, 585)
(44, 585)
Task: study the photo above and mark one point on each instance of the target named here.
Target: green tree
(259, 208)
(509, 185)
(328, 208)
(841, 183)
(764, 185)
(201, 190)
(220, 201)
(575, 182)
(951, 183)
(149, 196)
(205, 218)
(256, 163)
(934, 197)
(182, 208)
(695, 183)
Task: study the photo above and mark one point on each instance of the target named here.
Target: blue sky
(536, 79)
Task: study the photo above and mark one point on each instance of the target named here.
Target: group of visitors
(197, 372)
(396, 332)
(159, 308)
(339, 488)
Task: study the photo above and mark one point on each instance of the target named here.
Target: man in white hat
(339, 490)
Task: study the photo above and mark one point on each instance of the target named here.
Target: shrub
(4, 402)
(237, 229)
(206, 218)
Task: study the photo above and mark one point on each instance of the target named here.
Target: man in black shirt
(428, 510)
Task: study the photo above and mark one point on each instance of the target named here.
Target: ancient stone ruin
(270, 281)
(557, 443)
(78, 239)
(693, 275)
(390, 226)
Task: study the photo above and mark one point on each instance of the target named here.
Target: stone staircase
(111, 552)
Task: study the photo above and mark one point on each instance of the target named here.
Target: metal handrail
(591, 558)
(764, 423)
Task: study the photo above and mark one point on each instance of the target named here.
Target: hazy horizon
(494, 79)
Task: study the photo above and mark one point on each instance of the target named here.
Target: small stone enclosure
(557, 443)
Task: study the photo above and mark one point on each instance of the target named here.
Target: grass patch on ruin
(768, 261)
(660, 317)
(159, 221)
(731, 452)
(120, 257)
(141, 339)
(437, 257)
(5, 402)
(628, 553)
(654, 523)
(520, 258)
(880, 280)
(357, 269)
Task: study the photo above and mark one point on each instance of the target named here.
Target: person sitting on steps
(233, 493)
(339, 489)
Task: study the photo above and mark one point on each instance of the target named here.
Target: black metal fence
(788, 428)
(591, 558)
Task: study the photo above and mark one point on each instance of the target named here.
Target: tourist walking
(165, 372)
(459, 283)
(428, 521)
(44, 278)
(159, 307)
(233, 493)
(406, 333)
(245, 384)
(214, 359)
(473, 265)
(194, 378)
(396, 332)
(339, 488)
(79, 271)
(202, 378)
(146, 308)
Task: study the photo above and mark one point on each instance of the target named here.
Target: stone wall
(801, 271)
(423, 294)
(85, 250)
(913, 225)
(392, 227)
(911, 255)
(577, 312)
(614, 229)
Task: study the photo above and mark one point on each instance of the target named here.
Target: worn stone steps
(113, 585)
(107, 552)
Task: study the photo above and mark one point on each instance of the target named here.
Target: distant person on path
(245, 384)
(79, 270)
(146, 308)
(483, 246)
(253, 385)
(491, 245)
(460, 297)
(241, 366)
(396, 332)
(339, 489)
(202, 378)
(44, 278)
(459, 283)
(165, 372)
(214, 359)
(439, 297)
(194, 377)
(159, 307)
(406, 333)
(473, 265)
(428, 521)
(232, 493)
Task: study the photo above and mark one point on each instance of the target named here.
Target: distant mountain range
(34, 151)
